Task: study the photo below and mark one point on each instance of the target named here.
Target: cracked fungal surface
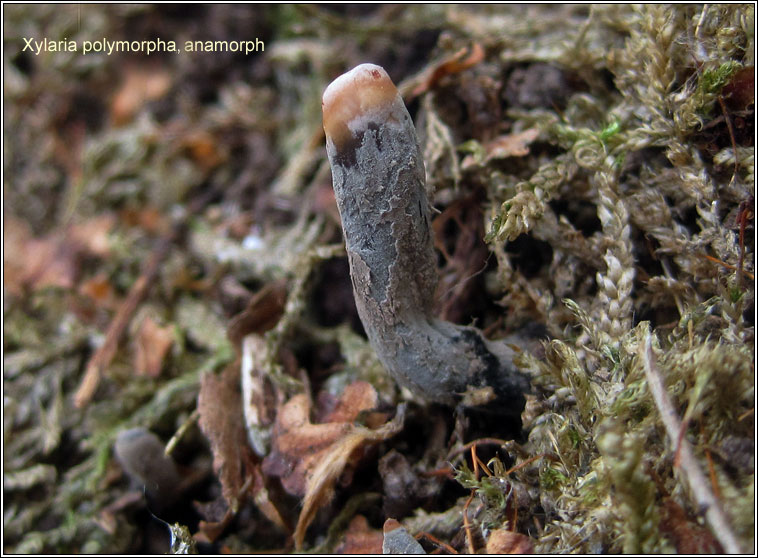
(379, 182)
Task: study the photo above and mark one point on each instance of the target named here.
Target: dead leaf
(739, 93)
(92, 236)
(148, 218)
(33, 264)
(320, 487)
(140, 85)
(299, 445)
(209, 531)
(262, 313)
(262, 499)
(220, 408)
(203, 149)
(100, 290)
(502, 147)
(357, 397)
(502, 541)
(310, 458)
(151, 346)
(688, 537)
(511, 145)
(456, 63)
(359, 538)
(53, 260)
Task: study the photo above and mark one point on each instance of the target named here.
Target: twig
(698, 484)
(440, 544)
(743, 215)
(192, 419)
(711, 468)
(104, 355)
(478, 463)
(739, 270)
(731, 137)
(467, 526)
(531, 459)
(506, 444)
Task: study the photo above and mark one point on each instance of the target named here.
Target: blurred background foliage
(594, 171)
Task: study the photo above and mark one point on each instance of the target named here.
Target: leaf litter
(578, 194)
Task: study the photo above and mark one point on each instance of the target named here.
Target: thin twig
(528, 461)
(711, 468)
(434, 540)
(479, 463)
(104, 355)
(743, 215)
(731, 137)
(507, 444)
(739, 270)
(698, 484)
(467, 525)
(192, 419)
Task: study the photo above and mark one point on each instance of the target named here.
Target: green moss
(712, 80)
(620, 192)
(551, 479)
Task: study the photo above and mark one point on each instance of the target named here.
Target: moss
(633, 185)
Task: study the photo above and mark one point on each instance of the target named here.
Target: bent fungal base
(379, 183)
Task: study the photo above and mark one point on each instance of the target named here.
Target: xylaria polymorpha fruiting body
(379, 183)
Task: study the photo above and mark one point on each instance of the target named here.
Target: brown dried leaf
(320, 487)
(262, 499)
(32, 263)
(456, 63)
(100, 290)
(298, 445)
(502, 541)
(688, 537)
(209, 531)
(357, 397)
(262, 313)
(151, 346)
(511, 145)
(53, 260)
(140, 86)
(739, 93)
(310, 458)
(360, 538)
(148, 218)
(502, 147)
(91, 237)
(220, 407)
(203, 148)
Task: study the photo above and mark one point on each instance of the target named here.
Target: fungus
(380, 186)
(141, 455)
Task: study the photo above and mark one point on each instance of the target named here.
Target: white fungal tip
(363, 91)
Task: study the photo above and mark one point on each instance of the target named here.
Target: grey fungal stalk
(379, 183)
